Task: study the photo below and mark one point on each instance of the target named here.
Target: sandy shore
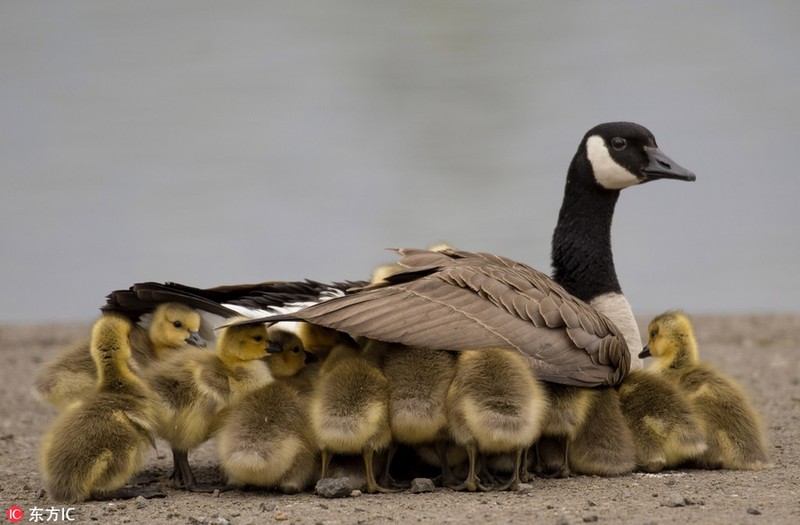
(761, 352)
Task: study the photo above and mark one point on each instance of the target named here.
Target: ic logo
(15, 513)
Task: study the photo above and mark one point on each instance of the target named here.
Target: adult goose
(575, 329)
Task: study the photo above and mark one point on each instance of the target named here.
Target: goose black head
(622, 154)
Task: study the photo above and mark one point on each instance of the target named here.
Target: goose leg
(513, 483)
(524, 474)
(326, 463)
(448, 478)
(372, 484)
(183, 477)
(386, 478)
(472, 483)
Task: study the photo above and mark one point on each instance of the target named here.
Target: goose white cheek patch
(608, 173)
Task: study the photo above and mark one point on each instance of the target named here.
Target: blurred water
(212, 143)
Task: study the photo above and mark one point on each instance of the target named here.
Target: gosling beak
(645, 352)
(195, 339)
(274, 347)
(663, 167)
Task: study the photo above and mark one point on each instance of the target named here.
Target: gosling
(96, 445)
(494, 405)
(349, 410)
(194, 388)
(72, 375)
(419, 379)
(734, 431)
(266, 439)
(667, 431)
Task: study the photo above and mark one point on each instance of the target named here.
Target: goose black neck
(581, 253)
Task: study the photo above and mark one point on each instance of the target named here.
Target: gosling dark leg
(372, 484)
(513, 483)
(472, 483)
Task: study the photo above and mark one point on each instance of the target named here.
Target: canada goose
(419, 379)
(72, 375)
(603, 446)
(459, 300)
(666, 429)
(349, 409)
(266, 438)
(96, 445)
(734, 431)
(494, 405)
(195, 386)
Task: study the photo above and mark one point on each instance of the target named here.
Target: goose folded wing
(473, 301)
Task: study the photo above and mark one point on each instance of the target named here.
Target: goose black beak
(274, 348)
(195, 339)
(645, 352)
(663, 167)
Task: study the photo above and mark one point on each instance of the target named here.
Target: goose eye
(177, 324)
(618, 143)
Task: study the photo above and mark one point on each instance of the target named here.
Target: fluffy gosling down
(96, 445)
(495, 405)
(734, 432)
(266, 439)
(194, 387)
(349, 410)
(667, 431)
(72, 375)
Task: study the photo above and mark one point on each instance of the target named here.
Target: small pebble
(334, 487)
(420, 485)
(676, 500)
(141, 502)
(754, 512)
(355, 494)
(41, 493)
(266, 507)
(590, 519)
(525, 487)
(281, 516)
(215, 494)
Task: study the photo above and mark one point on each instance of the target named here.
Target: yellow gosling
(494, 405)
(734, 431)
(194, 387)
(96, 445)
(72, 374)
(349, 410)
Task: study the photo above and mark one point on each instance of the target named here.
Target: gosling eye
(177, 324)
(618, 143)
(653, 333)
(258, 338)
(296, 350)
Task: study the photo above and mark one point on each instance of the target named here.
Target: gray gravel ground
(761, 352)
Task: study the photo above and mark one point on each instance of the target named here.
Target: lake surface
(212, 143)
